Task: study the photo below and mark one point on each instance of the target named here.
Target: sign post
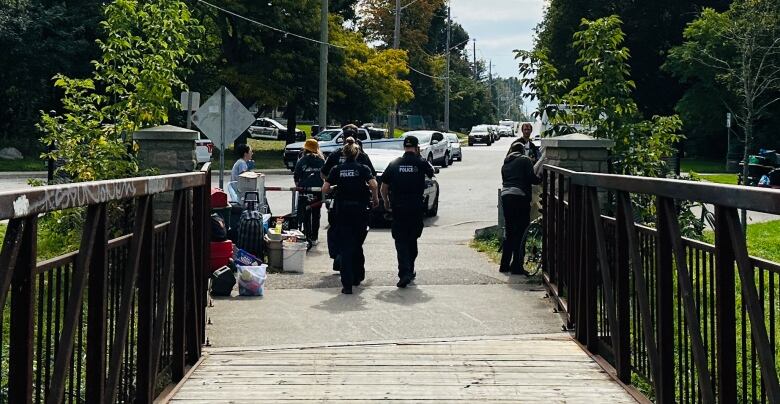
(222, 118)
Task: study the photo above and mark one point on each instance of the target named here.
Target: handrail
(18, 204)
(652, 302)
(756, 199)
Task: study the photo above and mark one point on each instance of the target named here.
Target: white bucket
(293, 255)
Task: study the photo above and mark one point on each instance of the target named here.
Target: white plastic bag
(251, 280)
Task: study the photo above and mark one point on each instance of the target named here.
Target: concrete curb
(22, 174)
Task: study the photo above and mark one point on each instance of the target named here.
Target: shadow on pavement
(341, 303)
(404, 297)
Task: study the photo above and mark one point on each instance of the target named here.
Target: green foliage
(144, 54)
(540, 77)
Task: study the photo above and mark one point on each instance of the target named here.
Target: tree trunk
(292, 112)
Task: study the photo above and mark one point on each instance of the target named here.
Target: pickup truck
(331, 140)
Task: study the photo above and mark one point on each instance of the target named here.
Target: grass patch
(266, 153)
(730, 179)
(25, 164)
(489, 243)
(702, 166)
(763, 240)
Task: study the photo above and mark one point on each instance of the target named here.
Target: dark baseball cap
(411, 141)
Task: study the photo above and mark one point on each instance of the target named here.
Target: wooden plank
(725, 307)
(73, 309)
(12, 242)
(96, 315)
(145, 375)
(640, 283)
(20, 355)
(689, 303)
(664, 289)
(755, 309)
(142, 210)
(603, 259)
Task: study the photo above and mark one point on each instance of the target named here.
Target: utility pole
(396, 43)
(474, 56)
(323, 107)
(447, 93)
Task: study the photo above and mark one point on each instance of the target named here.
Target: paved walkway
(459, 294)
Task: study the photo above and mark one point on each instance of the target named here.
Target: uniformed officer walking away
(355, 183)
(307, 175)
(334, 159)
(518, 176)
(403, 184)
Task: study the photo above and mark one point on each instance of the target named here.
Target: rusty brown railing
(682, 320)
(117, 320)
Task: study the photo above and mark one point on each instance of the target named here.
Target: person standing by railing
(518, 177)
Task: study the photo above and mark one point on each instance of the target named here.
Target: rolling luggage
(250, 227)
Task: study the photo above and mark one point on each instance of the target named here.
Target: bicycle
(533, 247)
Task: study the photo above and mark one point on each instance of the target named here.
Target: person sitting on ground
(242, 164)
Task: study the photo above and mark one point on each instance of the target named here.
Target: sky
(499, 26)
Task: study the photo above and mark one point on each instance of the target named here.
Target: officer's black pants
(406, 229)
(333, 244)
(352, 230)
(517, 216)
(310, 217)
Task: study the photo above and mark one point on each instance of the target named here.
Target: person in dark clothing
(355, 184)
(403, 184)
(518, 176)
(529, 149)
(333, 160)
(307, 175)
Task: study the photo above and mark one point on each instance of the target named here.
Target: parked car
(456, 153)
(203, 149)
(496, 135)
(270, 129)
(381, 159)
(433, 147)
(331, 140)
(375, 133)
(480, 134)
(504, 131)
(512, 125)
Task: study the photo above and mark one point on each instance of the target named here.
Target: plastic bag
(251, 280)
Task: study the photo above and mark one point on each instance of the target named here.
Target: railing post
(726, 333)
(571, 257)
(96, 315)
(664, 289)
(552, 214)
(145, 377)
(180, 295)
(560, 237)
(20, 357)
(545, 222)
(622, 297)
(589, 272)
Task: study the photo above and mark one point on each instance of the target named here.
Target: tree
(540, 79)
(146, 49)
(739, 51)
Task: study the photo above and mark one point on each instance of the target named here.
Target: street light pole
(447, 90)
(323, 99)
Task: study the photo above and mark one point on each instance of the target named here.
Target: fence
(684, 321)
(118, 320)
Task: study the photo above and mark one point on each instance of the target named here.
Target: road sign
(222, 118)
(190, 100)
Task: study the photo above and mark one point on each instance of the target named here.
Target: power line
(426, 74)
(269, 26)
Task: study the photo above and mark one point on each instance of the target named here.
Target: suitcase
(222, 281)
(249, 236)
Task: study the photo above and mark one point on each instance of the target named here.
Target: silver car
(456, 153)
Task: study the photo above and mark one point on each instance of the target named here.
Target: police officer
(333, 160)
(355, 183)
(307, 175)
(403, 184)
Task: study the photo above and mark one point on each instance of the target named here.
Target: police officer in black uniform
(355, 183)
(403, 184)
(307, 175)
(333, 160)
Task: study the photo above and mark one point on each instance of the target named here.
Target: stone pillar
(578, 152)
(169, 150)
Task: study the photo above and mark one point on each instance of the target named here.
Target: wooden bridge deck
(542, 368)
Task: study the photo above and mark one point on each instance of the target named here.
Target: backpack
(222, 281)
(218, 228)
